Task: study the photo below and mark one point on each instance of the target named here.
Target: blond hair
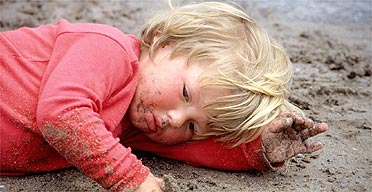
(240, 60)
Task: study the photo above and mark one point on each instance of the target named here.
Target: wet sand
(330, 44)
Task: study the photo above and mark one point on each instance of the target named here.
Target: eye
(192, 126)
(185, 93)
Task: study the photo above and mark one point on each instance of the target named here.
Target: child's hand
(286, 137)
(151, 184)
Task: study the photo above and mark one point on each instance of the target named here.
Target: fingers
(280, 124)
(301, 123)
(307, 133)
(308, 123)
(289, 119)
(298, 122)
(286, 115)
(304, 126)
(310, 148)
(162, 184)
(314, 130)
(322, 127)
(151, 183)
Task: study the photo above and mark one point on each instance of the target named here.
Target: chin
(162, 141)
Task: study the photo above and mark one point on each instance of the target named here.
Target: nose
(164, 121)
(177, 117)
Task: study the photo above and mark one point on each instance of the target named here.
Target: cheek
(161, 93)
(171, 89)
(147, 90)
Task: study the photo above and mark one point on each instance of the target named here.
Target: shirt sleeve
(210, 153)
(84, 72)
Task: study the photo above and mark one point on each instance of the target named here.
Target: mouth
(151, 122)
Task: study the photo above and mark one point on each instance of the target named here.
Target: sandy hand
(151, 184)
(287, 135)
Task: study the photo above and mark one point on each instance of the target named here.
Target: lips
(151, 122)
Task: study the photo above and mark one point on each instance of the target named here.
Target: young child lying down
(202, 84)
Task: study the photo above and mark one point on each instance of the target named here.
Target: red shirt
(65, 89)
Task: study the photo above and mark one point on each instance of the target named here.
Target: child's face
(167, 105)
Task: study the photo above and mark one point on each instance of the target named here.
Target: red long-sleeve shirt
(65, 89)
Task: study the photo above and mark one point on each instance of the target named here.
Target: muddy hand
(151, 184)
(287, 135)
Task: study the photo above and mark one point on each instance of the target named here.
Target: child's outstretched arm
(287, 136)
(278, 143)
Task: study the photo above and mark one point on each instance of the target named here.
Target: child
(202, 72)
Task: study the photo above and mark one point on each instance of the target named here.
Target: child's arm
(253, 155)
(287, 136)
(209, 153)
(88, 78)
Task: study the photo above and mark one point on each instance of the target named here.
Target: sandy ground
(329, 43)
